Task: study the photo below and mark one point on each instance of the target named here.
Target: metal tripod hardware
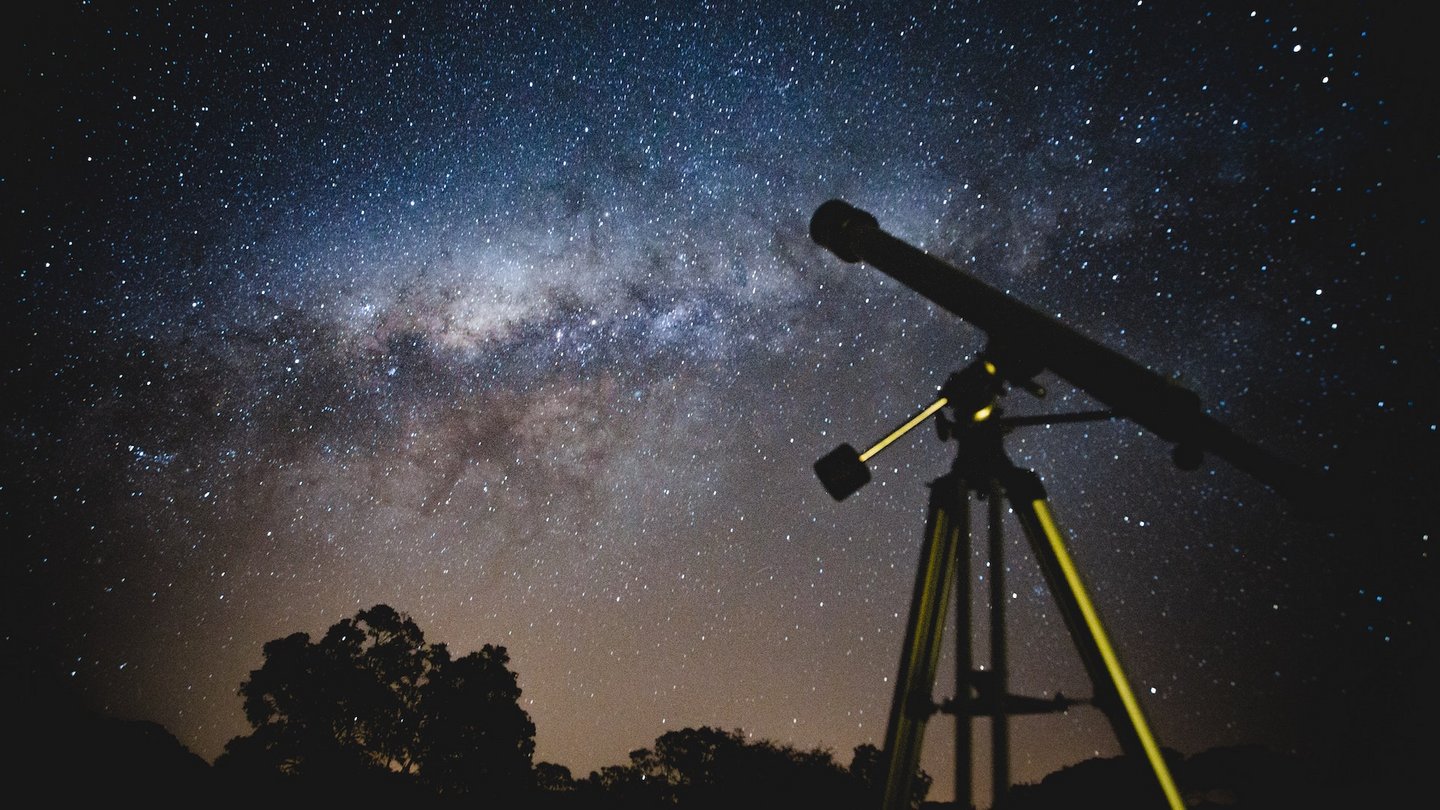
(982, 468)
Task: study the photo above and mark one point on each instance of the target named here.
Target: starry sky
(506, 315)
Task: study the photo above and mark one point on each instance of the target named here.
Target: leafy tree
(553, 777)
(867, 768)
(624, 786)
(711, 768)
(476, 738)
(373, 702)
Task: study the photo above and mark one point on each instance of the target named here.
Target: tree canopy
(372, 701)
(712, 768)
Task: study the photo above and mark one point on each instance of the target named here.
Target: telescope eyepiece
(835, 224)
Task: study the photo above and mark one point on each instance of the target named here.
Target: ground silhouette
(373, 715)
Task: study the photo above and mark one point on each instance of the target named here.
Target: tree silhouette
(476, 738)
(553, 778)
(706, 768)
(373, 707)
(867, 768)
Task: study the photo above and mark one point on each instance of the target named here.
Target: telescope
(1022, 342)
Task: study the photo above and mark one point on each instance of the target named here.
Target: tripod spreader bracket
(988, 703)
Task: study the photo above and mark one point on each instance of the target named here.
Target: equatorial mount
(971, 396)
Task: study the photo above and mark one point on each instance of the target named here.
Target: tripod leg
(912, 704)
(999, 659)
(1113, 695)
(963, 703)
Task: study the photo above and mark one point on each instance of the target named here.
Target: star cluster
(507, 316)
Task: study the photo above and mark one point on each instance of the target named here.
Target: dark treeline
(373, 715)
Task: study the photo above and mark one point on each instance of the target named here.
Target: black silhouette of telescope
(1022, 343)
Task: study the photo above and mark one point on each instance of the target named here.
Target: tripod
(1023, 341)
(982, 468)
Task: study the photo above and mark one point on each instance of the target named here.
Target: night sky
(507, 316)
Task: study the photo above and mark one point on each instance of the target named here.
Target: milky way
(510, 319)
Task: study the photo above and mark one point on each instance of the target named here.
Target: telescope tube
(1024, 340)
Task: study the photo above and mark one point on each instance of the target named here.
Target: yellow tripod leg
(912, 705)
(1110, 683)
